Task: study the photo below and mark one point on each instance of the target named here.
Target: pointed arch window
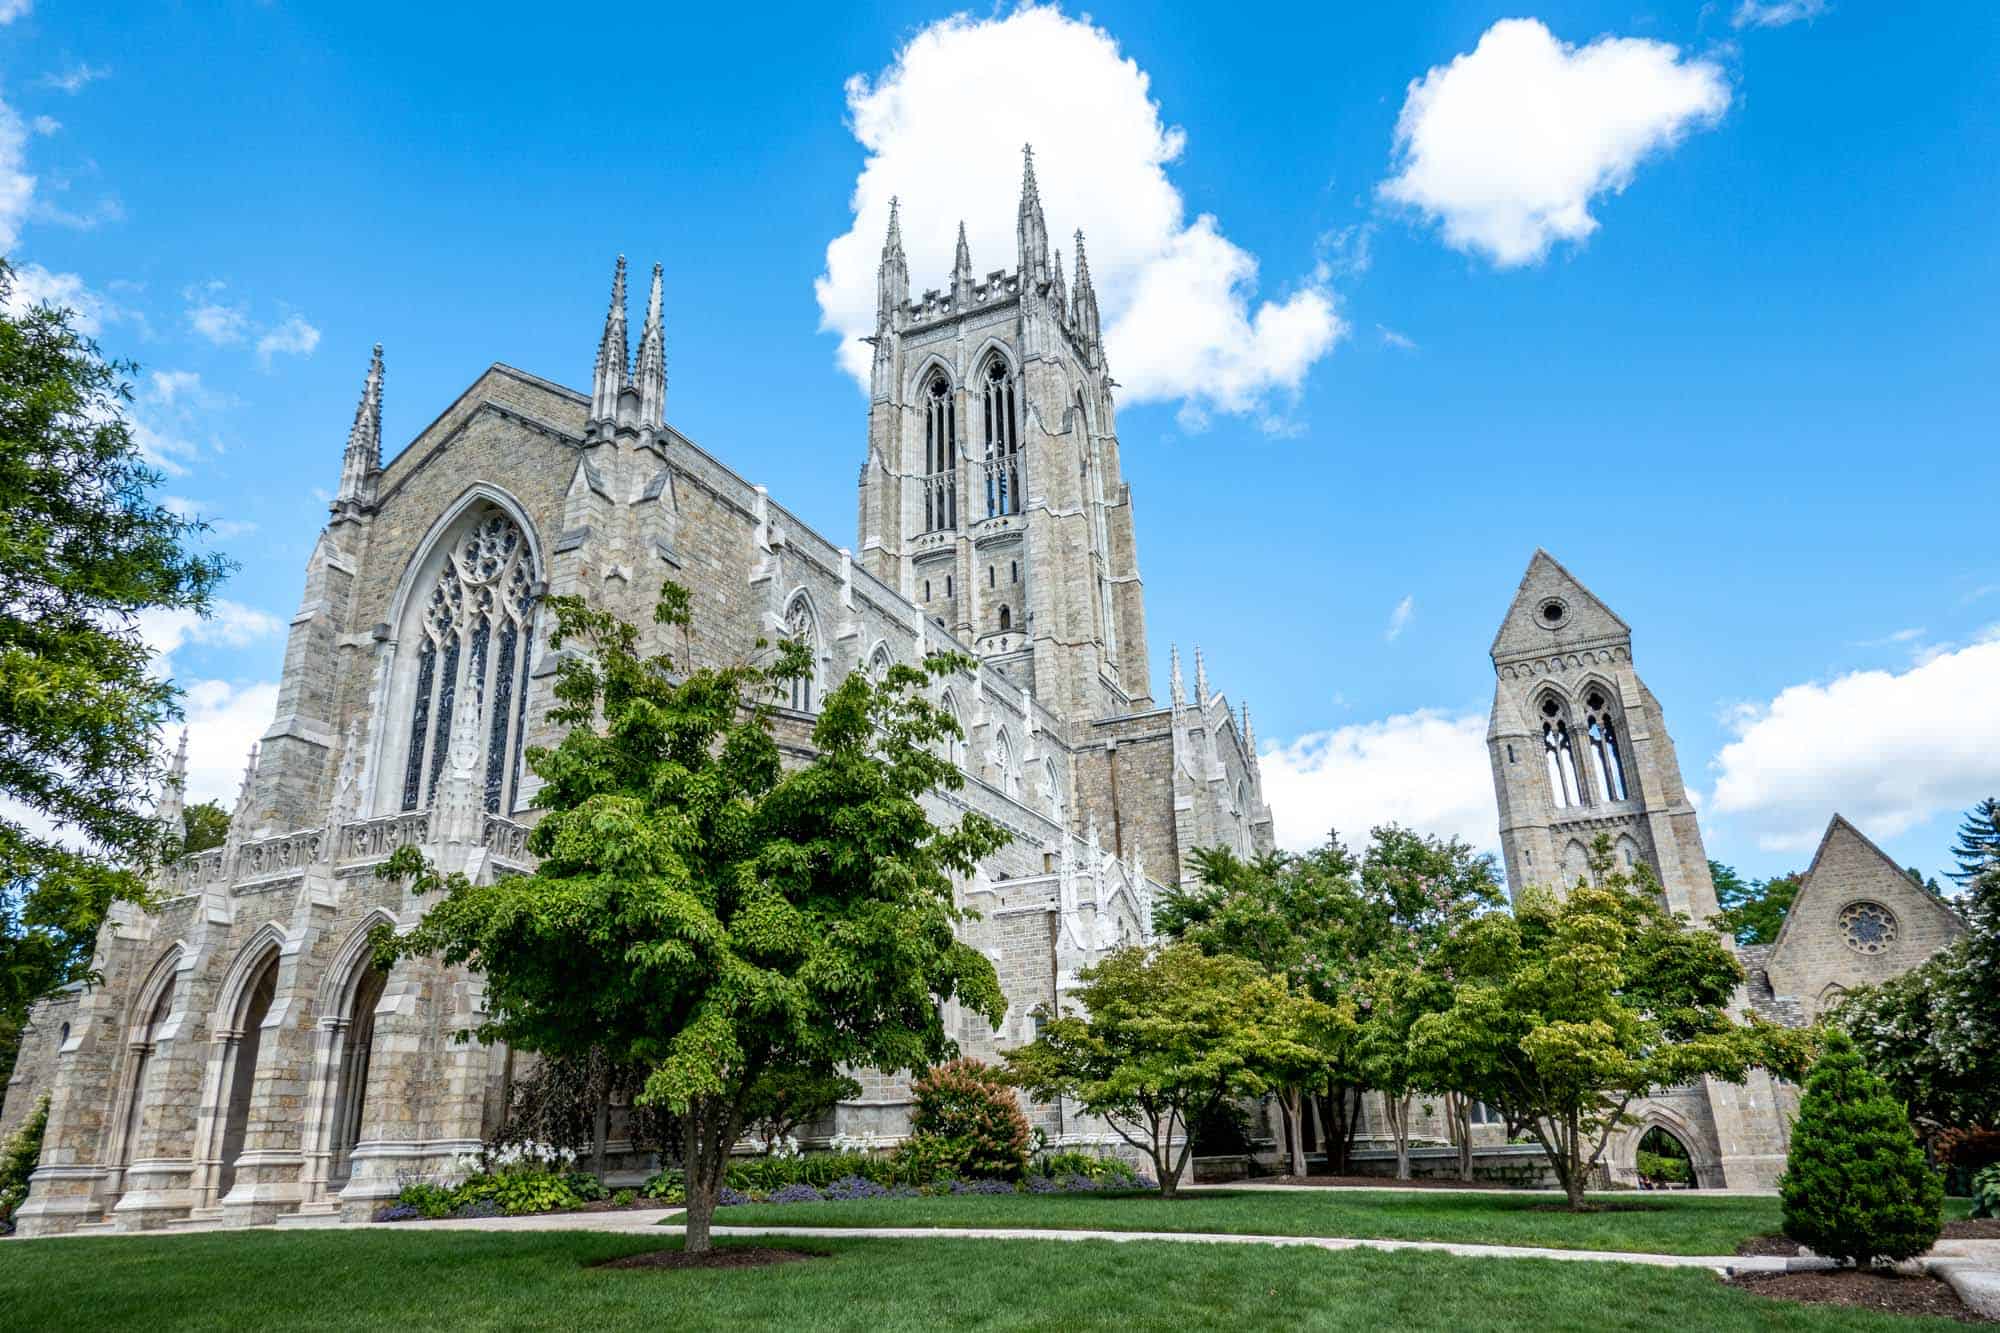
(1006, 619)
(1560, 755)
(474, 637)
(802, 628)
(1607, 765)
(940, 455)
(1003, 440)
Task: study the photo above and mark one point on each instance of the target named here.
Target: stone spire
(1177, 687)
(892, 278)
(614, 356)
(363, 458)
(1200, 680)
(1058, 292)
(1033, 231)
(1084, 304)
(173, 797)
(652, 374)
(961, 267)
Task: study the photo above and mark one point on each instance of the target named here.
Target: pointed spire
(652, 376)
(1058, 292)
(1085, 297)
(363, 458)
(173, 796)
(1176, 685)
(614, 355)
(1032, 230)
(1249, 732)
(249, 777)
(892, 278)
(962, 262)
(1082, 265)
(1200, 680)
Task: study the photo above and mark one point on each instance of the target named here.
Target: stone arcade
(242, 1059)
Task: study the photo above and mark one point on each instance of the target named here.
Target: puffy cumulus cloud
(1506, 146)
(91, 310)
(1875, 746)
(1427, 770)
(1778, 13)
(17, 187)
(291, 336)
(224, 719)
(1179, 299)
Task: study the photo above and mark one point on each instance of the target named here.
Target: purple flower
(730, 1198)
(981, 1187)
(397, 1212)
(853, 1187)
(1043, 1185)
(797, 1193)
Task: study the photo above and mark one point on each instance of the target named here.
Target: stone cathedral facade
(242, 1059)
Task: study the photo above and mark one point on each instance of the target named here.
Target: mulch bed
(1889, 1293)
(1370, 1182)
(606, 1206)
(734, 1256)
(1633, 1207)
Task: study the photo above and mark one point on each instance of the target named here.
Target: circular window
(1553, 613)
(1550, 708)
(1869, 928)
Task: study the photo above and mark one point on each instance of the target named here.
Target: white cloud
(46, 125)
(1887, 749)
(1427, 770)
(1178, 298)
(1776, 13)
(14, 9)
(35, 285)
(224, 719)
(17, 187)
(75, 79)
(222, 529)
(215, 319)
(166, 630)
(1400, 341)
(1507, 146)
(292, 336)
(1399, 619)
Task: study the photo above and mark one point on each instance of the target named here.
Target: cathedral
(243, 1060)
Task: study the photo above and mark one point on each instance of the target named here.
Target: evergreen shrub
(1856, 1187)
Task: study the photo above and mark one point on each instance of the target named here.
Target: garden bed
(1384, 1183)
(1883, 1291)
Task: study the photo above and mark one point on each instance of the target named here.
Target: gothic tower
(992, 495)
(1579, 747)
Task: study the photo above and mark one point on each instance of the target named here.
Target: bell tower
(992, 495)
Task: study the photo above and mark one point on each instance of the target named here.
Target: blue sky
(1699, 297)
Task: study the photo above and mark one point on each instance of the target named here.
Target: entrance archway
(242, 1072)
(351, 1089)
(1664, 1161)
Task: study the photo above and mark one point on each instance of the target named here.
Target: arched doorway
(350, 1100)
(242, 1072)
(141, 1046)
(1664, 1162)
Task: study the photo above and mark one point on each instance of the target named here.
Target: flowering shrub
(988, 1186)
(730, 1198)
(796, 1194)
(1045, 1185)
(965, 1104)
(853, 1187)
(397, 1212)
(1078, 1183)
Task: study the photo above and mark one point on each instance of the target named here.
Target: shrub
(816, 1169)
(1666, 1170)
(967, 1102)
(730, 1198)
(1856, 1187)
(924, 1159)
(853, 1187)
(1986, 1192)
(668, 1186)
(477, 1208)
(19, 1158)
(1105, 1170)
(397, 1212)
(625, 1198)
(430, 1200)
(585, 1186)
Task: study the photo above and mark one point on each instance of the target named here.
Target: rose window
(1869, 928)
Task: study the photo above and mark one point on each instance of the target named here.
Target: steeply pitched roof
(1841, 841)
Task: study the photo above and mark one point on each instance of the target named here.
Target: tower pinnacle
(652, 376)
(363, 458)
(614, 356)
(1176, 687)
(1033, 231)
(892, 277)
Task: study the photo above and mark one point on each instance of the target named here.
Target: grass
(1677, 1223)
(381, 1277)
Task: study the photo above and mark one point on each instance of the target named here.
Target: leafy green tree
(785, 1101)
(1934, 1031)
(1164, 1036)
(1856, 1186)
(1753, 910)
(203, 825)
(1567, 1011)
(1978, 844)
(706, 914)
(84, 549)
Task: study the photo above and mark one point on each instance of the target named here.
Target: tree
(1165, 1034)
(1564, 1013)
(1752, 910)
(84, 550)
(968, 1109)
(1934, 1032)
(204, 824)
(785, 1101)
(1978, 844)
(1856, 1186)
(703, 913)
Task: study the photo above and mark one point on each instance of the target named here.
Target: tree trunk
(600, 1129)
(1292, 1107)
(1398, 1110)
(1458, 1107)
(1342, 1121)
(706, 1136)
(1573, 1150)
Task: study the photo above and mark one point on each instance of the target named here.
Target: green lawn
(390, 1278)
(1679, 1223)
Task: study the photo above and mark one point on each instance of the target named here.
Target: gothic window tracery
(802, 628)
(940, 455)
(475, 635)
(1003, 441)
(1560, 756)
(1606, 764)
(1868, 928)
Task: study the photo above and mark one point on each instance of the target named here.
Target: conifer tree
(1856, 1187)
(1978, 844)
